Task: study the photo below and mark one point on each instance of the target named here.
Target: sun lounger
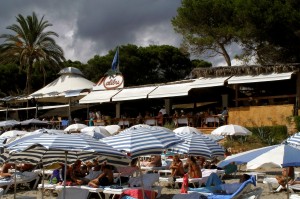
(211, 194)
(74, 193)
(252, 194)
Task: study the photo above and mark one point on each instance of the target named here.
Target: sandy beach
(168, 193)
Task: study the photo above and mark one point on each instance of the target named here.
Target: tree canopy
(30, 43)
(265, 29)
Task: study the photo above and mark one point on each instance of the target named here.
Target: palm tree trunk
(29, 78)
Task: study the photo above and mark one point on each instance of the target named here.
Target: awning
(191, 105)
(73, 93)
(133, 93)
(33, 107)
(259, 78)
(171, 90)
(98, 96)
(209, 82)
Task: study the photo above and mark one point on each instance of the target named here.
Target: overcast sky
(93, 27)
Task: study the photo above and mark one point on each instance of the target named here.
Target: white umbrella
(187, 129)
(9, 123)
(34, 121)
(231, 129)
(13, 133)
(193, 130)
(75, 127)
(113, 129)
(281, 155)
(96, 132)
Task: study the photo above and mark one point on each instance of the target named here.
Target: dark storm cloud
(91, 27)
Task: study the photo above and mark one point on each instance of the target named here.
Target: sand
(168, 193)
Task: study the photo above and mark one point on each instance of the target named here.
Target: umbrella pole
(142, 183)
(15, 179)
(287, 189)
(65, 175)
(43, 187)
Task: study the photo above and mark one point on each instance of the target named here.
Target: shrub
(270, 134)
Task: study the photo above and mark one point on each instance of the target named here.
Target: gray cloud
(91, 27)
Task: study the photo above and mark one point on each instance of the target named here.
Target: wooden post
(297, 105)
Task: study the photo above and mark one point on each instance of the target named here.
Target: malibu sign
(110, 82)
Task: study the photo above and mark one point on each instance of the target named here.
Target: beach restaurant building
(254, 95)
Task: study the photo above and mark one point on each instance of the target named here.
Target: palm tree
(30, 44)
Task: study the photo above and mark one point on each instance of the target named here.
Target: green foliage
(143, 65)
(267, 30)
(297, 122)
(270, 134)
(28, 44)
(170, 125)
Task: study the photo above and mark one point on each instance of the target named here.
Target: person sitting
(4, 169)
(106, 178)
(94, 173)
(176, 167)
(76, 173)
(160, 119)
(194, 169)
(223, 115)
(288, 174)
(155, 161)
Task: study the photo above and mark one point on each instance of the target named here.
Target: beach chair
(193, 195)
(150, 182)
(294, 196)
(209, 191)
(252, 194)
(74, 193)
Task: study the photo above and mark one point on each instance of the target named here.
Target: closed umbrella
(197, 145)
(231, 129)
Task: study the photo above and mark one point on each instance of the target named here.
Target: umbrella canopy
(113, 129)
(281, 155)
(187, 129)
(143, 140)
(193, 130)
(34, 122)
(9, 123)
(231, 129)
(75, 127)
(96, 132)
(12, 133)
(294, 140)
(197, 145)
(65, 142)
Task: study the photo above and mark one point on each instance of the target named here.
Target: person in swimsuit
(194, 169)
(106, 178)
(176, 167)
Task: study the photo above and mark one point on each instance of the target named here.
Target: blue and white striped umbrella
(294, 140)
(281, 155)
(64, 142)
(197, 145)
(143, 140)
